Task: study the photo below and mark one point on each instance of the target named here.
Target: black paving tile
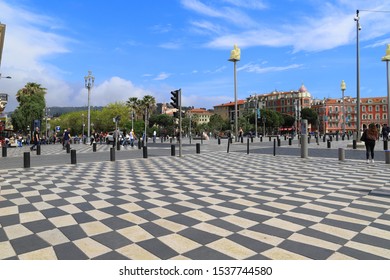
(158, 248)
(28, 243)
(39, 226)
(205, 253)
(312, 252)
(116, 223)
(9, 220)
(69, 251)
(112, 240)
(199, 236)
(73, 232)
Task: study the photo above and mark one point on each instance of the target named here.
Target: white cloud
(162, 76)
(255, 68)
(250, 4)
(229, 14)
(113, 90)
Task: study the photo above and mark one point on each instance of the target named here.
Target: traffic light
(176, 98)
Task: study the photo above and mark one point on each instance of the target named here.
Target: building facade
(226, 110)
(200, 115)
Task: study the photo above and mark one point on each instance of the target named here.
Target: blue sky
(134, 48)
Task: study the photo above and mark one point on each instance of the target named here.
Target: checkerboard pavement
(214, 205)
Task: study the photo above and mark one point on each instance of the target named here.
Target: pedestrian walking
(369, 137)
(385, 132)
(132, 138)
(36, 139)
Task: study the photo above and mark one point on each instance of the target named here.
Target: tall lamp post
(387, 59)
(235, 56)
(343, 88)
(254, 99)
(358, 28)
(89, 81)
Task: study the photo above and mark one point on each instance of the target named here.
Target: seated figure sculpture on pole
(235, 54)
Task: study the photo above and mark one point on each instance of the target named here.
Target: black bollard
(228, 146)
(112, 154)
(118, 146)
(328, 144)
(261, 138)
(73, 157)
(4, 151)
(289, 141)
(324, 138)
(337, 137)
(354, 144)
(67, 149)
(279, 143)
(274, 147)
(251, 139)
(145, 152)
(308, 140)
(385, 145)
(139, 144)
(219, 140)
(26, 160)
(247, 146)
(38, 149)
(173, 151)
(94, 147)
(270, 138)
(197, 148)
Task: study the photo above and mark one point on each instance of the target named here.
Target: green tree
(310, 114)
(148, 105)
(31, 106)
(133, 103)
(217, 124)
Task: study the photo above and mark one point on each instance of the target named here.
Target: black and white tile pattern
(206, 206)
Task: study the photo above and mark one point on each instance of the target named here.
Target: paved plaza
(201, 206)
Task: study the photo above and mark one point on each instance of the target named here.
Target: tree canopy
(31, 107)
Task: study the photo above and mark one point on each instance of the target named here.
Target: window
(363, 108)
(369, 108)
(370, 117)
(330, 109)
(377, 108)
(364, 116)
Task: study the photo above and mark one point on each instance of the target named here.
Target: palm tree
(134, 106)
(30, 89)
(148, 103)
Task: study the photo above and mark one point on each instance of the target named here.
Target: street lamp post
(82, 136)
(47, 112)
(254, 98)
(358, 28)
(343, 88)
(89, 81)
(387, 59)
(235, 56)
